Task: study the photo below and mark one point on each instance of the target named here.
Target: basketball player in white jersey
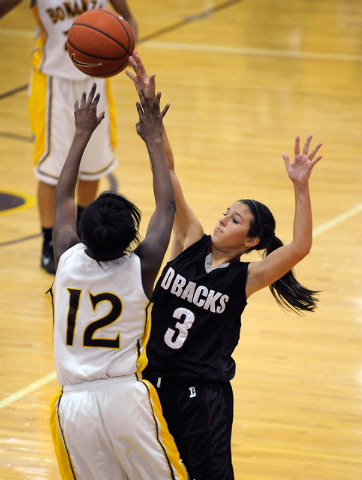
(54, 85)
(106, 421)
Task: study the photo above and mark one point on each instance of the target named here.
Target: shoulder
(71, 252)
(203, 243)
(74, 250)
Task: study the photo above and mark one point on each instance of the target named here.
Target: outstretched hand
(300, 169)
(150, 119)
(143, 82)
(85, 113)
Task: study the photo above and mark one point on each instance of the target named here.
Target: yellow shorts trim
(173, 456)
(64, 462)
(37, 106)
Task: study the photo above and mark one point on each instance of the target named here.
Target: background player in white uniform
(54, 85)
(106, 421)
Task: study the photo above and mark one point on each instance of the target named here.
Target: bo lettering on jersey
(198, 295)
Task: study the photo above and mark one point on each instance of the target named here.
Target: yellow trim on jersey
(112, 114)
(64, 462)
(40, 41)
(142, 360)
(163, 434)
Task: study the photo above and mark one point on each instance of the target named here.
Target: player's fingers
(307, 144)
(92, 92)
(297, 145)
(132, 62)
(316, 160)
(138, 60)
(165, 110)
(139, 109)
(156, 104)
(83, 99)
(286, 159)
(143, 101)
(314, 151)
(151, 81)
(130, 75)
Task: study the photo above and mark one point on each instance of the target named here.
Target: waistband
(100, 383)
(178, 382)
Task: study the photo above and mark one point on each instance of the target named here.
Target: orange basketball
(100, 42)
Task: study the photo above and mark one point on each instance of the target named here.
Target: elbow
(169, 209)
(302, 243)
(308, 249)
(173, 206)
(301, 249)
(304, 250)
(307, 245)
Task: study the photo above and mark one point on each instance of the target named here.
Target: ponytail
(287, 291)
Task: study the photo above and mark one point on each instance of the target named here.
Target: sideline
(29, 389)
(254, 52)
(337, 220)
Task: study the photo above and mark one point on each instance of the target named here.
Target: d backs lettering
(198, 295)
(68, 10)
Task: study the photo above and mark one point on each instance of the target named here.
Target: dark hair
(287, 291)
(109, 226)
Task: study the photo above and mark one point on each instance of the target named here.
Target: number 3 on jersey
(176, 338)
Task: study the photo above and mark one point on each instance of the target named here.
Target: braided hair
(109, 226)
(287, 291)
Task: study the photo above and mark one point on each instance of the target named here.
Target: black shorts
(199, 416)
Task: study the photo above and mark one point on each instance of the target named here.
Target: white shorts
(113, 429)
(51, 113)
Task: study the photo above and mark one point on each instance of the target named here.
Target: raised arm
(153, 248)
(283, 259)
(86, 121)
(187, 229)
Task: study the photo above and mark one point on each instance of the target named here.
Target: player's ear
(252, 242)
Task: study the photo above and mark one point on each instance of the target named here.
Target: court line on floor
(255, 52)
(337, 220)
(29, 389)
(52, 376)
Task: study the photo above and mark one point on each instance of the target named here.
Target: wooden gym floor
(244, 77)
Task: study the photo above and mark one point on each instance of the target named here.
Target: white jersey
(54, 19)
(100, 313)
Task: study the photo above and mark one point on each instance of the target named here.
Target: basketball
(100, 42)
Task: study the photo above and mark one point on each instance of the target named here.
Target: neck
(218, 257)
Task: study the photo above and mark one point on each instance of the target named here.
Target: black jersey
(196, 317)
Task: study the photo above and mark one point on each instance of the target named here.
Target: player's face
(231, 231)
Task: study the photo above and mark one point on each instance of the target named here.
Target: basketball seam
(106, 74)
(77, 49)
(112, 14)
(126, 50)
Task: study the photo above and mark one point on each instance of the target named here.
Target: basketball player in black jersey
(200, 297)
